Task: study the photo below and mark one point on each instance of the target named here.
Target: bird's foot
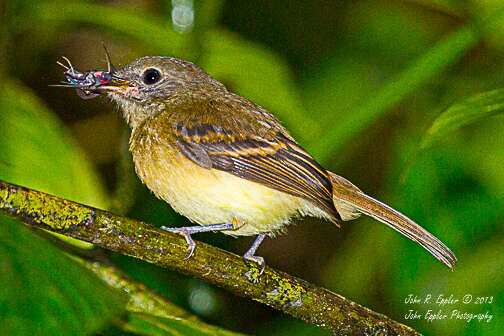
(184, 232)
(253, 274)
(187, 231)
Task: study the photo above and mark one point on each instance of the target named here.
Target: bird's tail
(351, 202)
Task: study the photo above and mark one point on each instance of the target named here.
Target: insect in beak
(91, 84)
(110, 67)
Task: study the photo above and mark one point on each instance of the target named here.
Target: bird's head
(152, 84)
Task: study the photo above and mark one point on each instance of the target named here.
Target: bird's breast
(209, 196)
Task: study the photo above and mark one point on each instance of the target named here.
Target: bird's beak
(116, 84)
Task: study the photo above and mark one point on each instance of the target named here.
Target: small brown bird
(225, 162)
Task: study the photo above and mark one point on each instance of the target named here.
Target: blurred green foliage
(44, 292)
(468, 111)
(143, 324)
(362, 85)
(37, 150)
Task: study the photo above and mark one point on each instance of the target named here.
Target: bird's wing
(277, 162)
(346, 193)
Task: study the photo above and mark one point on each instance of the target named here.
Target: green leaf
(143, 324)
(258, 75)
(37, 152)
(43, 292)
(468, 111)
(397, 89)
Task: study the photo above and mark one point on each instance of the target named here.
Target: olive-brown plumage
(227, 163)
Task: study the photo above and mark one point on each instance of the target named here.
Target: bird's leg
(187, 231)
(249, 255)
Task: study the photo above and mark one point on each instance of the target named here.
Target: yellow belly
(209, 196)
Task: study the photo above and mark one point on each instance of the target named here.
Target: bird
(225, 162)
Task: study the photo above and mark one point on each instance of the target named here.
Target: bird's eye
(151, 76)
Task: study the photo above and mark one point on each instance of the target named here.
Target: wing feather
(278, 163)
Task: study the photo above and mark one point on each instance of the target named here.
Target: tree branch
(136, 239)
(144, 303)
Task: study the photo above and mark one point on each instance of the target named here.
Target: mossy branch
(136, 239)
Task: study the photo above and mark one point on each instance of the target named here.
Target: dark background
(327, 69)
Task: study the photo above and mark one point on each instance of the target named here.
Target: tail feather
(349, 199)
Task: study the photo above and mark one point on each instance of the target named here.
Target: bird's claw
(187, 236)
(191, 243)
(262, 265)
